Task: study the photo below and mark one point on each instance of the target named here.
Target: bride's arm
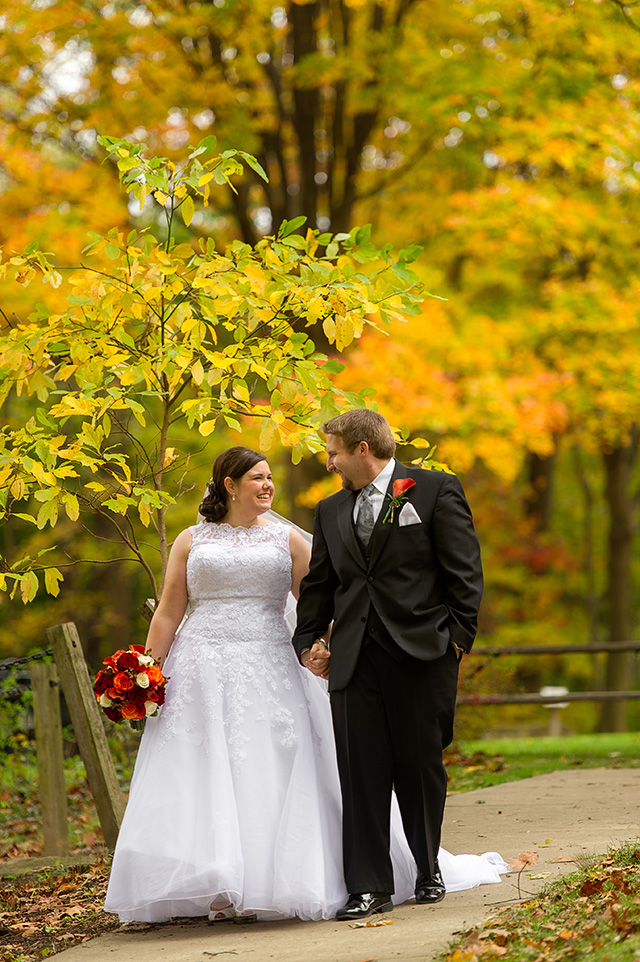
(173, 601)
(316, 658)
(300, 556)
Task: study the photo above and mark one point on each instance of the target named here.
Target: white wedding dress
(235, 795)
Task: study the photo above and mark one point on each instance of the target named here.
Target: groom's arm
(317, 589)
(458, 554)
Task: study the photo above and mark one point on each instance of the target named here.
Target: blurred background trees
(501, 136)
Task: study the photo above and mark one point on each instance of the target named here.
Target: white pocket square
(408, 515)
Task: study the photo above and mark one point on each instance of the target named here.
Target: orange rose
(133, 712)
(155, 675)
(122, 682)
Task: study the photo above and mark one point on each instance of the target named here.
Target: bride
(234, 806)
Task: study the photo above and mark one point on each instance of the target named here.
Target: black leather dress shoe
(430, 888)
(364, 905)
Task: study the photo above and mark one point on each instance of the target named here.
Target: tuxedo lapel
(347, 530)
(382, 531)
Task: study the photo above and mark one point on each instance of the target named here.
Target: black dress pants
(391, 724)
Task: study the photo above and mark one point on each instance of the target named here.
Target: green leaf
(232, 422)
(289, 226)
(333, 367)
(48, 512)
(253, 163)
(29, 585)
(23, 517)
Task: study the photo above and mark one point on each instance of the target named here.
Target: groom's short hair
(361, 424)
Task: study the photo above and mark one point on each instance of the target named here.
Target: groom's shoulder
(333, 500)
(431, 480)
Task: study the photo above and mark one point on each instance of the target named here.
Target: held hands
(317, 659)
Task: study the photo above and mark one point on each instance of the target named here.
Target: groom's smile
(351, 467)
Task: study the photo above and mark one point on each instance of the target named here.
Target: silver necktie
(366, 520)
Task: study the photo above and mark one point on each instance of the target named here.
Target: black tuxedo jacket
(423, 580)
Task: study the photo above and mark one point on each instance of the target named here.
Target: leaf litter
(580, 913)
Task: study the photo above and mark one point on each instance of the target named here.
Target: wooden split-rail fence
(70, 673)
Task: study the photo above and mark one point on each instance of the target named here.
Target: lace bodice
(238, 581)
(226, 564)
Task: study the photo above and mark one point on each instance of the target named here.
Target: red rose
(138, 648)
(112, 713)
(137, 696)
(133, 712)
(158, 696)
(127, 660)
(401, 485)
(122, 682)
(111, 661)
(102, 682)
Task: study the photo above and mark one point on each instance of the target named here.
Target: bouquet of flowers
(131, 687)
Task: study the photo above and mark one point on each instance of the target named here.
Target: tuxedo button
(363, 620)
(370, 579)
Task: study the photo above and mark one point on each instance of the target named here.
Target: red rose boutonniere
(397, 497)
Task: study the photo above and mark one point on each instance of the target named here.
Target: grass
(480, 764)
(592, 914)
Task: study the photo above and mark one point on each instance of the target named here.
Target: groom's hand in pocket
(317, 659)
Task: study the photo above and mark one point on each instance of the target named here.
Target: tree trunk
(539, 498)
(618, 465)
(588, 548)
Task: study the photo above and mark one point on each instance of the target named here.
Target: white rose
(105, 701)
(150, 707)
(145, 660)
(142, 680)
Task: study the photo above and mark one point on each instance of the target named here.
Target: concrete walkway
(560, 816)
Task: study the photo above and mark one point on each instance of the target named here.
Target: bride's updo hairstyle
(232, 463)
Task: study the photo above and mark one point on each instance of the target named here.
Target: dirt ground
(561, 816)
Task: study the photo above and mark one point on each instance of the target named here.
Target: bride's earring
(233, 497)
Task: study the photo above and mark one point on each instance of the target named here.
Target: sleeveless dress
(235, 795)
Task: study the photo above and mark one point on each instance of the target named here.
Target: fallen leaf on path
(524, 860)
(562, 858)
(371, 925)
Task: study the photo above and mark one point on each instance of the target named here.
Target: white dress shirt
(380, 484)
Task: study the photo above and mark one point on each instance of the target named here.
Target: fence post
(88, 728)
(51, 784)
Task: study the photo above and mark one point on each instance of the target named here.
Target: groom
(402, 585)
